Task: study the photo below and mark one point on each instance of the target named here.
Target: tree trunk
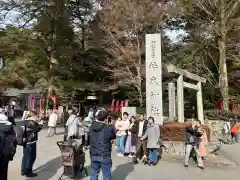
(223, 77)
(140, 93)
(140, 98)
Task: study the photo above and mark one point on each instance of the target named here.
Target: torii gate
(154, 84)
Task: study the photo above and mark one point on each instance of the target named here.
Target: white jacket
(53, 119)
(3, 117)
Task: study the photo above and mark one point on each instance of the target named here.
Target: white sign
(130, 110)
(154, 77)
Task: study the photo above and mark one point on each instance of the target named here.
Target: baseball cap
(101, 114)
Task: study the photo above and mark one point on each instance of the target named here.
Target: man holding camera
(193, 134)
(101, 135)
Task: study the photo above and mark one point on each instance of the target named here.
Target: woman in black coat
(133, 131)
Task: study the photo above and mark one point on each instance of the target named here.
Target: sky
(174, 35)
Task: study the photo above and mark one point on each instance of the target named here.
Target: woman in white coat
(52, 123)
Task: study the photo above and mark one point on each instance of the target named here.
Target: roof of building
(13, 92)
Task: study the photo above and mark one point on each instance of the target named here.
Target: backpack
(21, 135)
(8, 145)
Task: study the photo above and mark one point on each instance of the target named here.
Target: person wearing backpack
(8, 144)
(30, 136)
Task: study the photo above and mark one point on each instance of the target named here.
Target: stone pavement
(48, 166)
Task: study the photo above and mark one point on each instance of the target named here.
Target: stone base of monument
(175, 151)
(175, 131)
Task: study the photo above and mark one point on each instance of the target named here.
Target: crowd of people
(135, 137)
(138, 138)
(231, 131)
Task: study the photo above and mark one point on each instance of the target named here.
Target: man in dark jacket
(193, 133)
(101, 135)
(8, 145)
(141, 144)
(32, 126)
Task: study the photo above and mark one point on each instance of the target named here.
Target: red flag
(117, 106)
(121, 106)
(112, 105)
(41, 102)
(34, 101)
(126, 103)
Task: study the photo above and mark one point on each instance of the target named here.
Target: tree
(120, 28)
(212, 21)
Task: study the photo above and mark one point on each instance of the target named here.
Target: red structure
(118, 105)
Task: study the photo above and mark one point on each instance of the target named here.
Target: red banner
(117, 106)
(34, 102)
(126, 103)
(112, 105)
(54, 102)
(121, 106)
(41, 102)
(30, 102)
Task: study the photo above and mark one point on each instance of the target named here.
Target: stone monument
(154, 84)
(154, 77)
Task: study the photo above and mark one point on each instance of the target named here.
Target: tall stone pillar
(171, 100)
(154, 77)
(200, 103)
(180, 99)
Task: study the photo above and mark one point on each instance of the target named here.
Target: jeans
(104, 163)
(153, 155)
(189, 148)
(120, 144)
(29, 157)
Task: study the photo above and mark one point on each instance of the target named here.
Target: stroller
(73, 158)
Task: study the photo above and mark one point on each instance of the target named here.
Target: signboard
(154, 77)
(130, 110)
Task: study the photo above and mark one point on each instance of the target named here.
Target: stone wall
(216, 126)
(175, 131)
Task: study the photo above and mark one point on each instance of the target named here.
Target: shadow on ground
(49, 169)
(122, 171)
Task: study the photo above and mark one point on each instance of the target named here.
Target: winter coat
(145, 124)
(193, 135)
(203, 145)
(122, 127)
(153, 135)
(133, 130)
(101, 135)
(88, 121)
(75, 126)
(33, 126)
(53, 119)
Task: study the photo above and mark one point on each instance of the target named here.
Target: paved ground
(48, 165)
